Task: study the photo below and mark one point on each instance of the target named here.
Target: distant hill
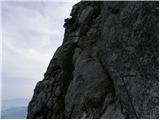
(14, 108)
(14, 113)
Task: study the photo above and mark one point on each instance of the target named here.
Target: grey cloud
(31, 33)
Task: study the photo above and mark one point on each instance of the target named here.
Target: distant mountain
(14, 113)
(14, 108)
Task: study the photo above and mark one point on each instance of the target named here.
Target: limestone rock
(107, 66)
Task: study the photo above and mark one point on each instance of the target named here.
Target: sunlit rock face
(107, 66)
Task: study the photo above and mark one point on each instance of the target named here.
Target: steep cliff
(107, 66)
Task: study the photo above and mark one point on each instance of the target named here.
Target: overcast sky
(31, 32)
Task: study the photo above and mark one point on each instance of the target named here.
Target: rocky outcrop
(107, 66)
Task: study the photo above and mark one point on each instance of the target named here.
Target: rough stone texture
(107, 66)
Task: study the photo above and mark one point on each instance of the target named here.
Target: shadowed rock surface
(107, 66)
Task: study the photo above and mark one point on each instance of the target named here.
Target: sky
(31, 32)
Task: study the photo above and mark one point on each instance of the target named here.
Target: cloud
(31, 32)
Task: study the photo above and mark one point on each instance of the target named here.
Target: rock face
(107, 66)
